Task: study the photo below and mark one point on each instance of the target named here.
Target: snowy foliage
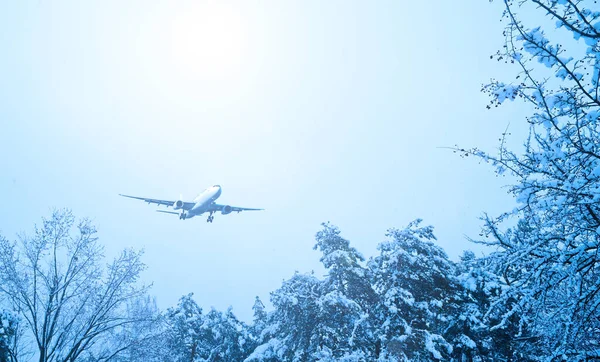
(549, 263)
(476, 330)
(311, 323)
(349, 290)
(194, 336)
(293, 335)
(260, 319)
(403, 305)
(415, 280)
(8, 334)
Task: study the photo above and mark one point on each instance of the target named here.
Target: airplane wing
(186, 205)
(217, 207)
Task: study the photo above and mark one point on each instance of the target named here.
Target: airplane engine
(226, 210)
(178, 204)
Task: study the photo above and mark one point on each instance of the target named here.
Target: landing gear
(182, 216)
(210, 218)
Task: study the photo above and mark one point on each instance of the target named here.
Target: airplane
(205, 202)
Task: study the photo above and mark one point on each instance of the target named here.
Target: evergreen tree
(260, 320)
(415, 280)
(323, 320)
(8, 335)
(348, 283)
(213, 337)
(183, 330)
(223, 338)
(292, 333)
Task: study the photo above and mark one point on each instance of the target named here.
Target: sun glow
(208, 42)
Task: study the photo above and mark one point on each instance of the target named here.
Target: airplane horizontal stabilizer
(168, 212)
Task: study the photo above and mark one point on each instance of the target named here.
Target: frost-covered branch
(56, 282)
(549, 260)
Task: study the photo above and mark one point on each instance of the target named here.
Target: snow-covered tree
(405, 305)
(8, 335)
(146, 339)
(416, 282)
(467, 330)
(292, 331)
(212, 337)
(549, 260)
(72, 305)
(224, 337)
(350, 295)
(260, 314)
(345, 273)
(323, 320)
(260, 321)
(475, 332)
(183, 330)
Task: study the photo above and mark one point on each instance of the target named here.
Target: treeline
(409, 303)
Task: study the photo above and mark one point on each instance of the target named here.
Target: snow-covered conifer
(416, 282)
(349, 293)
(215, 336)
(8, 335)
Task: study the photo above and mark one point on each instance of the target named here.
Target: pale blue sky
(315, 110)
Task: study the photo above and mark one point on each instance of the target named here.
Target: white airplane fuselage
(202, 202)
(205, 202)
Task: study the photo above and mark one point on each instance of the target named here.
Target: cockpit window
(216, 185)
